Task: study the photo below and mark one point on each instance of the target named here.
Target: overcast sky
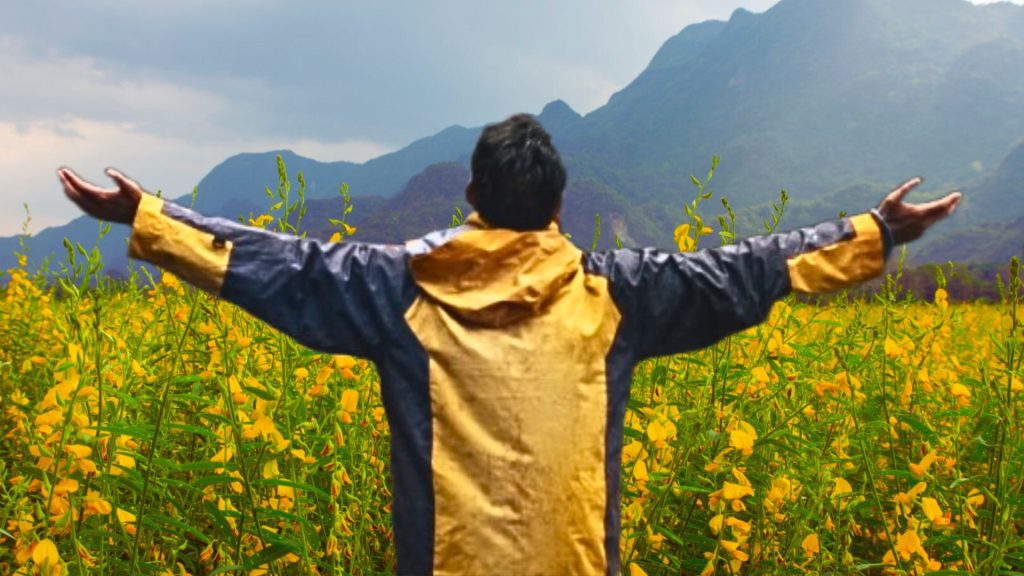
(166, 91)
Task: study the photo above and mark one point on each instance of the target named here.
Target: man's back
(517, 337)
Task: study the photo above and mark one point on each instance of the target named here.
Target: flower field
(149, 428)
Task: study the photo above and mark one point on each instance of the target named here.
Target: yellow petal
(656, 432)
(350, 400)
(66, 486)
(635, 570)
(931, 509)
(45, 554)
(811, 545)
(841, 487)
(640, 471)
(732, 491)
(79, 450)
(344, 361)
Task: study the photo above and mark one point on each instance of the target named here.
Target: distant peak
(739, 14)
(557, 115)
(558, 111)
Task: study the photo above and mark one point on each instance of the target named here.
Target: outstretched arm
(677, 302)
(339, 298)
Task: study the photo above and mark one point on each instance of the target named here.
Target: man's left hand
(113, 205)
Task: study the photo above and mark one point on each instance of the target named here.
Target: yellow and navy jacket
(505, 358)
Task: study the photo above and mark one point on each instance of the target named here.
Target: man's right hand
(113, 205)
(908, 222)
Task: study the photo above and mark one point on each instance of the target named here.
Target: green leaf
(919, 426)
(220, 522)
(157, 521)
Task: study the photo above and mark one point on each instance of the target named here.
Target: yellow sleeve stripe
(196, 256)
(841, 264)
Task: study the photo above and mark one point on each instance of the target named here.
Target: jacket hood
(495, 276)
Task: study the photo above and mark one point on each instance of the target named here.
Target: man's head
(518, 175)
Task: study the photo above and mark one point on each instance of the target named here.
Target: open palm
(113, 205)
(908, 222)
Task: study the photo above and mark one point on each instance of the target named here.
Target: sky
(165, 91)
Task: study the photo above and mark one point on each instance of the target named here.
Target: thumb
(123, 182)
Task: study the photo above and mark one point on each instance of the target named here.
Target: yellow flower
(127, 520)
(238, 395)
(79, 450)
(921, 468)
(733, 548)
(742, 438)
(94, 504)
(975, 498)
(223, 455)
(732, 491)
(300, 454)
(660, 432)
(683, 239)
(716, 523)
(349, 400)
(905, 500)
(46, 557)
(932, 510)
(811, 545)
(635, 570)
(264, 428)
(740, 529)
(640, 471)
(959, 391)
(892, 349)
(908, 543)
(324, 373)
(65, 486)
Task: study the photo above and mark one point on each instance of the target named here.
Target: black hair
(517, 174)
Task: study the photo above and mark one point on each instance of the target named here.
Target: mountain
(984, 234)
(815, 96)
(1002, 192)
(245, 176)
(833, 101)
(430, 199)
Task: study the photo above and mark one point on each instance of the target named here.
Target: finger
(900, 192)
(84, 187)
(123, 181)
(86, 203)
(942, 206)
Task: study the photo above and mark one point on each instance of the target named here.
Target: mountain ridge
(830, 101)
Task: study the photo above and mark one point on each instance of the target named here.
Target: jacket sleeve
(673, 302)
(337, 298)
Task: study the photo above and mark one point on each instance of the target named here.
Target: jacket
(505, 358)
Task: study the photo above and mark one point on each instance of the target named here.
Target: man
(505, 354)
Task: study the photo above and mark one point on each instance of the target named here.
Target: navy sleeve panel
(337, 298)
(672, 302)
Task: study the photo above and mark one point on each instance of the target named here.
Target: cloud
(168, 90)
(34, 150)
(63, 86)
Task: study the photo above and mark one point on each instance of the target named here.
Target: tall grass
(152, 429)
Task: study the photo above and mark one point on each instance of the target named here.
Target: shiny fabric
(506, 359)
(200, 258)
(517, 335)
